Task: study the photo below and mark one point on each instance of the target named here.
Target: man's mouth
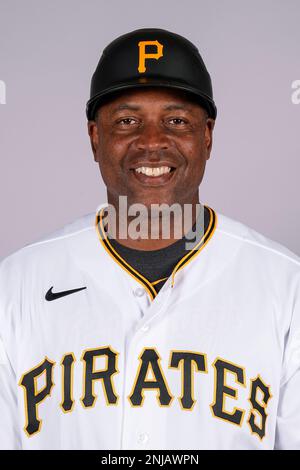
(153, 175)
(154, 172)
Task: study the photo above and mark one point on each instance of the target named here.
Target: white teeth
(146, 170)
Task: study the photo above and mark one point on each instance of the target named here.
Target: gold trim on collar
(149, 286)
(199, 247)
(159, 280)
(118, 258)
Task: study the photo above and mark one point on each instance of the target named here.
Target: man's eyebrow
(172, 106)
(126, 106)
(132, 107)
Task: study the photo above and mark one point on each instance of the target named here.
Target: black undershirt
(157, 264)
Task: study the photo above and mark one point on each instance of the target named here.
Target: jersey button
(143, 438)
(139, 292)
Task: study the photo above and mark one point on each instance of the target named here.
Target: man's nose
(153, 138)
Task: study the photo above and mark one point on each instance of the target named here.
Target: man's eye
(126, 121)
(177, 121)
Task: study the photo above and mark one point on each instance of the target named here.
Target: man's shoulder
(53, 243)
(73, 228)
(253, 241)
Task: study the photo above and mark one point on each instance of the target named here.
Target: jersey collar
(150, 286)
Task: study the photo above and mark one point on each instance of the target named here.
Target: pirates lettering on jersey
(258, 409)
(150, 361)
(33, 397)
(189, 362)
(222, 368)
(148, 378)
(67, 382)
(105, 375)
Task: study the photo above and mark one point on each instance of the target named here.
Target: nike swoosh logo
(56, 295)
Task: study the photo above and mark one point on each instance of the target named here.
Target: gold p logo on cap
(143, 56)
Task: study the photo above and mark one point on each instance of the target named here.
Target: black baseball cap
(151, 57)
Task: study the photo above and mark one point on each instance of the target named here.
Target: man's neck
(152, 233)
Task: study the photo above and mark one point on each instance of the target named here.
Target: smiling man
(115, 336)
(152, 145)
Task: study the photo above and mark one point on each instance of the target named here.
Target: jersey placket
(134, 433)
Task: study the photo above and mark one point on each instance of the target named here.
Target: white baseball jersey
(93, 358)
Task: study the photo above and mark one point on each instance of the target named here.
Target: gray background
(48, 51)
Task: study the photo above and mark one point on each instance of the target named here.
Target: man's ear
(208, 137)
(94, 137)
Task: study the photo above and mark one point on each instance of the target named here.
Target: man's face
(151, 145)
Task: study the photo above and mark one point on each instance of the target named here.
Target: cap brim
(204, 100)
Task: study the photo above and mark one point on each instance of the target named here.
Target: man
(114, 336)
